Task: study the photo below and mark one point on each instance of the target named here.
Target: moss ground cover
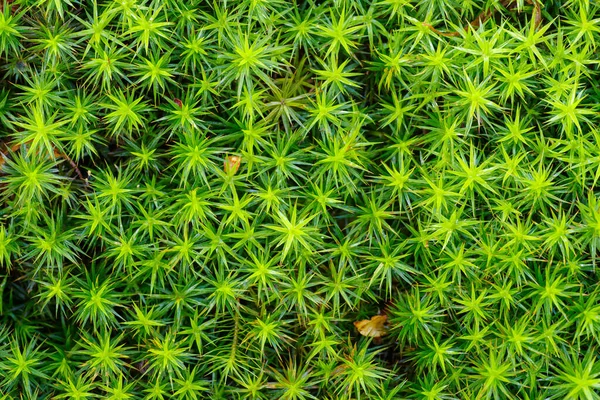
(266, 199)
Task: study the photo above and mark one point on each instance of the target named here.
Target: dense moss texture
(200, 198)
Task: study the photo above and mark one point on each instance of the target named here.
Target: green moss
(199, 200)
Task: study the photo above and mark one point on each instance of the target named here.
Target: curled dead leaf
(232, 164)
(374, 327)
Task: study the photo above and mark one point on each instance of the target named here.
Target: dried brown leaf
(374, 327)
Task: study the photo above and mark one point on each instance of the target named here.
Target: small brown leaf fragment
(178, 102)
(232, 164)
(374, 327)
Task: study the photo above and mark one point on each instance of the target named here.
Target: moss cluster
(202, 199)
